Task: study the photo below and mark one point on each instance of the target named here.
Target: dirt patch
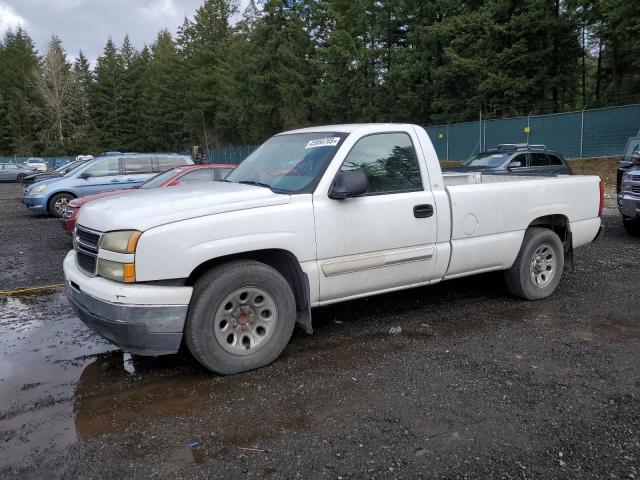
(604, 167)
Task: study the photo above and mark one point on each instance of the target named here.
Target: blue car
(100, 175)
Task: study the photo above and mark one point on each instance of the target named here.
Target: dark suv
(522, 159)
(629, 187)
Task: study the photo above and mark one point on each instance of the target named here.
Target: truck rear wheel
(241, 317)
(538, 267)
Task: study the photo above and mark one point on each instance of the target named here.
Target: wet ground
(477, 384)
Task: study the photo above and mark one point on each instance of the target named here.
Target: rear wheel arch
(560, 225)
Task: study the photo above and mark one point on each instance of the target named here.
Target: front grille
(88, 238)
(635, 178)
(635, 188)
(88, 244)
(87, 262)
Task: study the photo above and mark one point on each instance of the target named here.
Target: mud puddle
(611, 328)
(61, 384)
(44, 349)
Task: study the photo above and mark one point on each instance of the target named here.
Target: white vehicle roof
(346, 128)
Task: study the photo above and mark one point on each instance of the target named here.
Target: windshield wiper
(260, 184)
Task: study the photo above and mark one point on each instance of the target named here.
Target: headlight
(625, 185)
(123, 241)
(38, 189)
(121, 272)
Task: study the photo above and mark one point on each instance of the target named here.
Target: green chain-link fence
(588, 133)
(229, 155)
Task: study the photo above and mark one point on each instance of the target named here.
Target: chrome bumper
(629, 205)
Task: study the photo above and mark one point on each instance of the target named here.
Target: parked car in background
(99, 175)
(171, 178)
(36, 164)
(57, 173)
(629, 199)
(630, 159)
(522, 159)
(13, 172)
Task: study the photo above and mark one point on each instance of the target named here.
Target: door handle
(131, 179)
(115, 180)
(423, 211)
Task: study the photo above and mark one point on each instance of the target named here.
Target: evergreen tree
(163, 97)
(106, 98)
(18, 131)
(281, 74)
(208, 38)
(84, 80)
(132, 111)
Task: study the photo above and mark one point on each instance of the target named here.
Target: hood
(46, 181)
(78, 202)
(150, 208)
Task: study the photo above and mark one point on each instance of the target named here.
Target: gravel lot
(477, 384)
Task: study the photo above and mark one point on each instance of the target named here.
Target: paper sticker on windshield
(323, 142)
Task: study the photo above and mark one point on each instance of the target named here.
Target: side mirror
(85, 175)
(516, 164)
(349, 184)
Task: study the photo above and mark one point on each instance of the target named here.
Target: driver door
(102, 176)
(386, 238)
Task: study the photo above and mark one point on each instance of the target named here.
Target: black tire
(20, 178)
(53, 204)
(211, 290)
(632, 226)
(519, 279)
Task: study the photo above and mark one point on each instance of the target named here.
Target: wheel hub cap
(543, 266)
(245, 320)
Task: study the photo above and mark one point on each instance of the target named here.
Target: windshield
(487, 160)
(75, 169)
(290, 163)
(67, 167)
(159, 179)
(631, 148)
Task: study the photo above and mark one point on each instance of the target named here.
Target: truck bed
(490, 213)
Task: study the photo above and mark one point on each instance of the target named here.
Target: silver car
(13, 172)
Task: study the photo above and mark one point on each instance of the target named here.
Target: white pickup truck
(312, 217)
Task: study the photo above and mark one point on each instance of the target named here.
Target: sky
(86, 24)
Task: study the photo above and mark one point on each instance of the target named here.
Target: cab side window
(104, 168)
(539, 160)
(553, 160)
(137, 165)
(518, 161)
(388, 160)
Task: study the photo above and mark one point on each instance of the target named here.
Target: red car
(171, 178)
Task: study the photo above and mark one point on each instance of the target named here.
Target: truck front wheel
(241, 317)
(538, 267)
